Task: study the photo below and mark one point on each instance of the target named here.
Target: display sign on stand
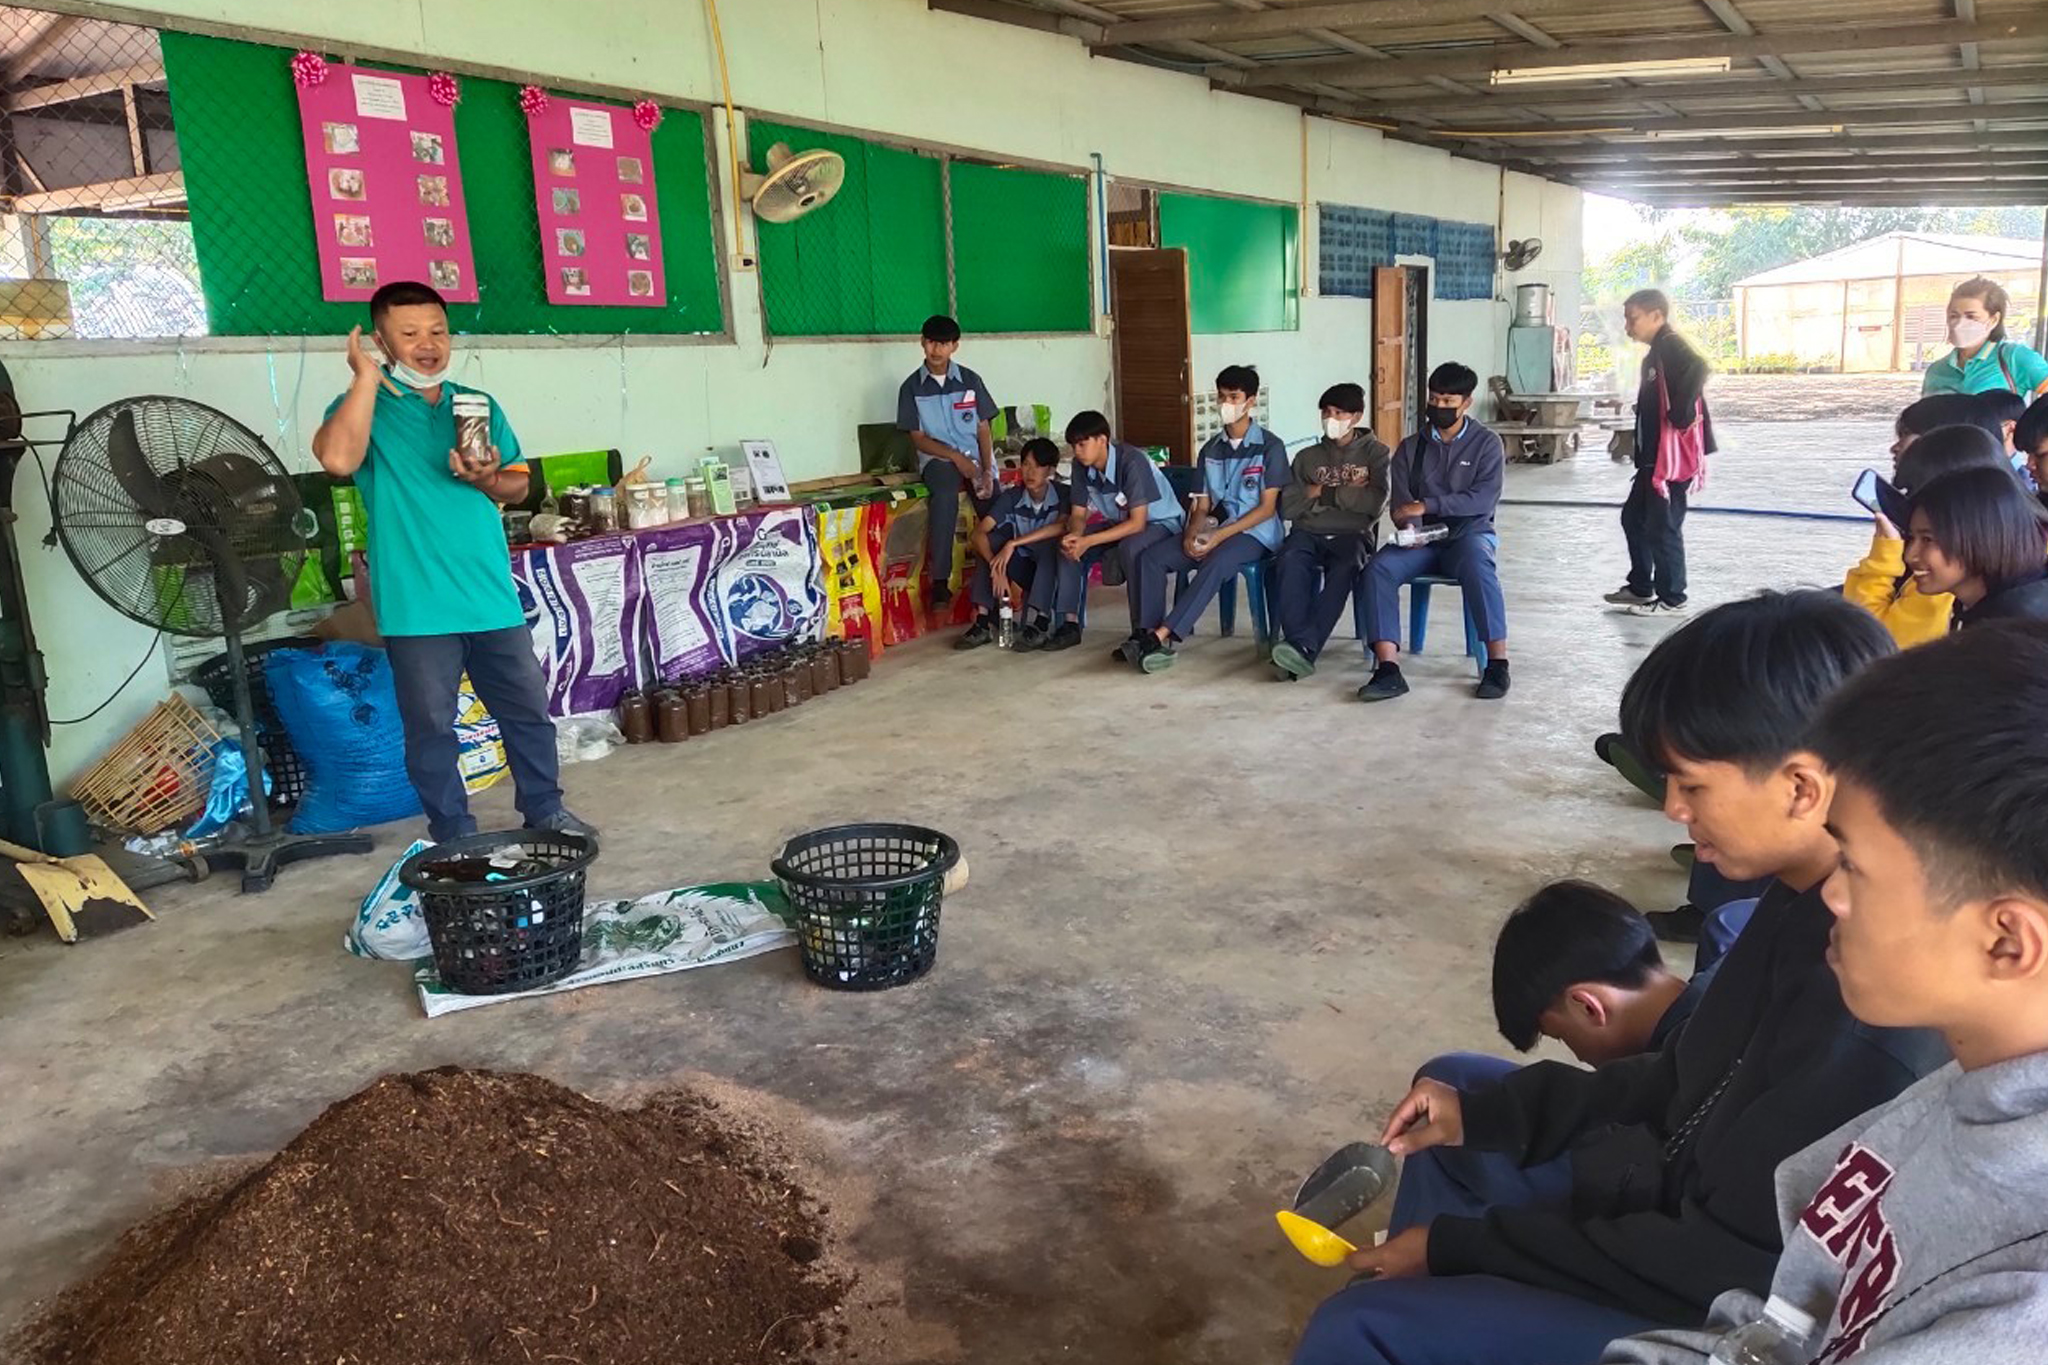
(765, 466)
(385, 181)
(593, 185)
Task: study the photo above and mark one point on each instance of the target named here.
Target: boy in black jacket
(1672, 1153)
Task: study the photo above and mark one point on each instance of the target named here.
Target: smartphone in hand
(1878, 496)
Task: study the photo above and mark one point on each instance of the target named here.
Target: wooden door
(1389, 353)
(1149, 301)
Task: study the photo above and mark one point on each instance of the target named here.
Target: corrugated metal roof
(1906, 253)
(1824, 101)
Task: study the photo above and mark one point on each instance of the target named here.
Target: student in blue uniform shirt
(1234, 521)
(1014, 544)
(946, 409)
(1450, 475)
(1118, 483)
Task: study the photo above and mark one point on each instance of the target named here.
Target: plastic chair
(1418, 617)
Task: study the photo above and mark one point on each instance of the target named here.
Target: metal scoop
(1348, 1182)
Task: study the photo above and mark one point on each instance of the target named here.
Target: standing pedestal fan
(181, 518)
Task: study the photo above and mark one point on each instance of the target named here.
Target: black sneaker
(1065, 637)
(1493, 683)
(1625, 596)
(1127, 652)
(979, 634)
(1031, 638)
(1682, 925)
(1292, 663)
(941, 599)
(1657, 607)
(1157, 655)
(1386, 684)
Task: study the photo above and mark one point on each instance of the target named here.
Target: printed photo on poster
(340, 139)
(359, 272)
(638, 246)
(633, 208)
(444, 275)
(629, 170)
(640, 283)
(434, 191)
(568, 203)
(561, 161)
(345, 182)
(352, 229)
(574, 280)
(568, 241)
(439, 231)
(427, 147)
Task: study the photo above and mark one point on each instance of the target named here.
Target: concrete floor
(1214, 924)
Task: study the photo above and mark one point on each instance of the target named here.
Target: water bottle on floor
(1778, 1337)
(1006, 628)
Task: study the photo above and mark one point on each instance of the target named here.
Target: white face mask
(411, 378)
(1337, 428)
(1968, 333)
(1231, 413)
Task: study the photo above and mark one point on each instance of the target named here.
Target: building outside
(1877, 305)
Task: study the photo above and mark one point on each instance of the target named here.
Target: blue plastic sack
(227, 795)
(340, 708)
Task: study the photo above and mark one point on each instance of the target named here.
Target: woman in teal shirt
(1983, 359)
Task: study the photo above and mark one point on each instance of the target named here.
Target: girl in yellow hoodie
(1879, 583)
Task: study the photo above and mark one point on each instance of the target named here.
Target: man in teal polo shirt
(440, 576)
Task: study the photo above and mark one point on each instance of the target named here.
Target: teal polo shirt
(438, 560)
(1984, 373)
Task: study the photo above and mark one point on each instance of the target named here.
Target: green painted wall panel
(1020, 250)
(1243, 267)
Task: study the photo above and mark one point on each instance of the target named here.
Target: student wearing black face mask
(1446, 480)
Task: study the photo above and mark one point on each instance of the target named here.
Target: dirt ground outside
(1805, 397)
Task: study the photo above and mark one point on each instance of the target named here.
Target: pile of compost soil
(458, 1215)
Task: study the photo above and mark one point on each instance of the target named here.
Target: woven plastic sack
(340, 708)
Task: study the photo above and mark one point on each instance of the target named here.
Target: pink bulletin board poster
(386, 185)
(593, 184)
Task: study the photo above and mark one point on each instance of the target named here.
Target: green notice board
(870, 263)
(1242, 261)
(1020, 249)
(237, 117)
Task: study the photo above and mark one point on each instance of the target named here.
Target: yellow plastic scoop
(1313, 1240)
(1340, 1189)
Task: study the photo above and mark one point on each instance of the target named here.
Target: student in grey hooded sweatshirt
(1917, 1234)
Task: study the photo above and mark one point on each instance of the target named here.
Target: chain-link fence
(95, 240)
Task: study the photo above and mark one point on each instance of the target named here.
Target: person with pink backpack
(1674, 436)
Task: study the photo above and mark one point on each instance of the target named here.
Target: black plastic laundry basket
(496, 937)
(866, 899)
(287, 770)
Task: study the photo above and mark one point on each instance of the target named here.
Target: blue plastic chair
(1418, 617)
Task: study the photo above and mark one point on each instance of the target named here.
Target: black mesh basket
(495, 937)
(287, 770)
(866, 899)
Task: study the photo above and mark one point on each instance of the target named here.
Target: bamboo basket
(157, 776)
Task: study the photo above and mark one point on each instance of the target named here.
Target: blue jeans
(502, 668)
(1464, 1319)
(1469, 559)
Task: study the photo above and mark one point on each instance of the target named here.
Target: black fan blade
(131, 468)
(230, 578)
(269, 593)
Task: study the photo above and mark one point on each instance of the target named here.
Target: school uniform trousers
(945, 486)
(1464, 1319)
(1467, 558)
(1028, 569)
(1314, 577)
(1131, 551)
(1165, 560)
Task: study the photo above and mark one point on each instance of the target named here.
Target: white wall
(978, 86)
